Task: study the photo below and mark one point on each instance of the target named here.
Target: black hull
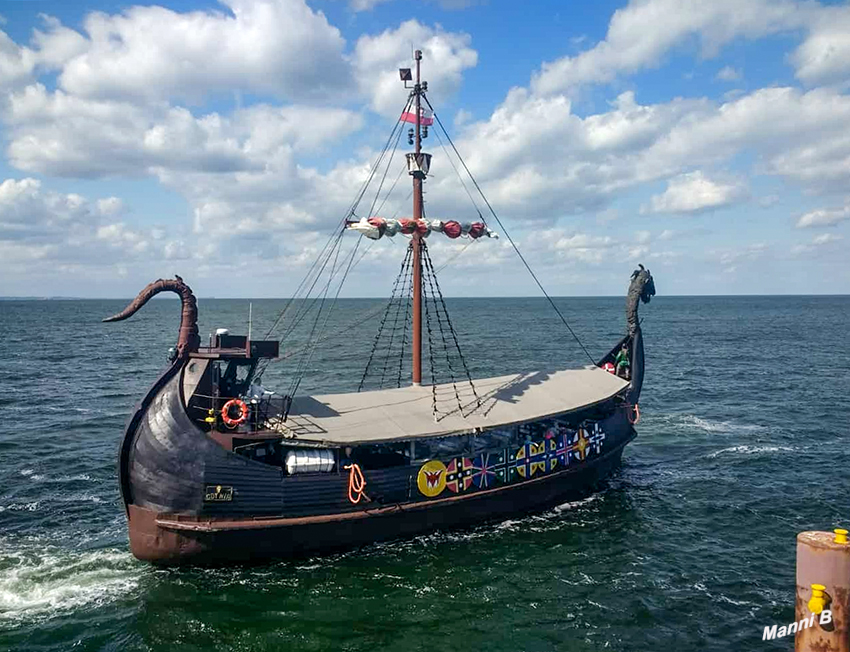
(167, 539)
(168, 464)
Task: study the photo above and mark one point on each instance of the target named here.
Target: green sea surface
(689, 546)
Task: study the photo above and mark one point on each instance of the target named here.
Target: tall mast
(416, 242)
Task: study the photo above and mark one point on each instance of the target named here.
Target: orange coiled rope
(636, 418)
(356, 484)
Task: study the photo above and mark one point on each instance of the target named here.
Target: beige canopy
(407, 412)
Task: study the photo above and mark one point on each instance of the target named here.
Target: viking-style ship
(213, 468)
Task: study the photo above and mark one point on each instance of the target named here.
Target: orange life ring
(229, 421)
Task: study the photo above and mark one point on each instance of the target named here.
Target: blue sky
(223, 142)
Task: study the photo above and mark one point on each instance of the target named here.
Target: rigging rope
(505, 231)
(455, 256)
(369, 314)
(403, 272)
(401, 171)
(340, 228)
(431, 364)
(356, 484)
(312, 349)
(457, 172)
(408, 320)
(403, 298)
(302, 367)
(436, 293)
(384, 177)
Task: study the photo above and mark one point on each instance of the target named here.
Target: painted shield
(529, 459)
(488, 469)
(564, 447)
(459, 474)
(596, 435)
(547, 455)
(431, 479)
(580, 444)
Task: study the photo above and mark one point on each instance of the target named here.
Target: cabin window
(234, 376)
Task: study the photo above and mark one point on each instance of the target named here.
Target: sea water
(743, 442)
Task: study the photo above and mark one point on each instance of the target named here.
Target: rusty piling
(823, 584)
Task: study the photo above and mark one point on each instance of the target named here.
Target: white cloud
(449, 5)
(695, 193)
(121, 107)
(824, 217)
(640, 34)
(58, 133)
(729, 74)
(731, 258)
(818, 242)
(376, 59)
(824, 56)
(280, 47)
(50, 49)
(44, 233)
(827, 238)
(28, 214)
(365, 5)
(68, 228)
(110, 206)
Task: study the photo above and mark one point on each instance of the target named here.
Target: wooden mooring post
(823, 585)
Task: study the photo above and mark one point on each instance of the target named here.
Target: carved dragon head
(641, 288)
(643, 278)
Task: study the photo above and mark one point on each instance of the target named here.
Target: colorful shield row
(559, 448)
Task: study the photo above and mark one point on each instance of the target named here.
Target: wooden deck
(407, 413)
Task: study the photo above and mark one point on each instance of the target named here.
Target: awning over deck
(407, 412)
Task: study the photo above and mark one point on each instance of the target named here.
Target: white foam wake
(41, 583)
(720, 426)
(750, 450)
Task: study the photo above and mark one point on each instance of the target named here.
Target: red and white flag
(426, 119)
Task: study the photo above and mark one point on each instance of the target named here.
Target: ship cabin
(220, 385)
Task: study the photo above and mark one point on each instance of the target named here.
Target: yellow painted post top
(840, 536)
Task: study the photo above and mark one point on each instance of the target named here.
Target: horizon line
(60, 297)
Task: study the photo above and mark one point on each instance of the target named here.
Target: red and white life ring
(229, 421)
(609, 367)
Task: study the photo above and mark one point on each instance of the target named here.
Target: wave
(750, 450)
(20, 507)
(41, 583)
(39, 477)
(710, 425)
(579, 503)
